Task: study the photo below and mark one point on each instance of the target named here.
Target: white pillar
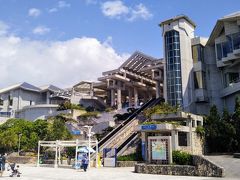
(135, 97)
(56, 155)
(48, 97)
(158, 89)
(119, 99)
(38, 154)
(76, 158)
(96, 154)
(174, 135)
(112, 97)
(130, 95)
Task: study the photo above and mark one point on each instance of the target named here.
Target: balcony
(232, 88)
(231, 57)
(5, 114)
(201, 95)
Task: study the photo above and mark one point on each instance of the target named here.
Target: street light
(19, 138)
(89, 141)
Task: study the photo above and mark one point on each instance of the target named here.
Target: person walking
(2, 163)
(85, 162)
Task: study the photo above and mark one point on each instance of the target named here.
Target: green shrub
(200, 131)
(130, 157)
(182, 158)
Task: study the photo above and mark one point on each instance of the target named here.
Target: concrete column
(130, 96)
(145, 97)
(158, 89)
(119, 99)
(135, 97)
(174, 135)
(48, 97)
(112, 97)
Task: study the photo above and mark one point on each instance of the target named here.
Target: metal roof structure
(24, 85)
(135, 71)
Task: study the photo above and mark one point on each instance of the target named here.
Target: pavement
(230, 164)
(29, 172)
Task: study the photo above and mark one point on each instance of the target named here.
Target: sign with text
(149, 127)
(159, 149)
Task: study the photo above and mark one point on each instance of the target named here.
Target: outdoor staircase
(126, 132)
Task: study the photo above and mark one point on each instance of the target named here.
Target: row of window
(173, 67)
(232, 43)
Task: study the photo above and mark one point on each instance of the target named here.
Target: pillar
(130, 96)
(158, 89)
(112, 97)
(174, 135)
(135, 97)
(119, 99)
(48, 97)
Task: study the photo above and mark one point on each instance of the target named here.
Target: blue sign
(76, 132)
(149, 127)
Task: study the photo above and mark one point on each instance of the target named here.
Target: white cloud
(34, 12)
(52, 10)
(41, 30)
(62, 63)
(114, 9)
(63, 4)
(60, 5)
(117, 9)
(140, 11)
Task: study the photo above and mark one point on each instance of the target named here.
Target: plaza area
(30, 172)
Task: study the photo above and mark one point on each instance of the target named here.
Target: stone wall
(205, 167)
(126, 163)
(201, 167)
(22, 159)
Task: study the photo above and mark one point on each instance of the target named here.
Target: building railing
(5, 114)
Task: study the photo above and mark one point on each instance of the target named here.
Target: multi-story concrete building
(200, 72)
(26, 101)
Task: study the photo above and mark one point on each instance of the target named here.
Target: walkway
(43, 173)
(230, 164)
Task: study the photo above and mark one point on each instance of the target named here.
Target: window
(232, 77)
(10, 101)
(182, 139)
(197, 53)
(219, 51)
(1, 102)
(30, 102)
(173, 67)
(200, 80)
(236, 40)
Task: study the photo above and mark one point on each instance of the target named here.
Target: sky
(64, 42)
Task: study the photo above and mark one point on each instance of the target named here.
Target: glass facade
(232, 43)
(173, 68)
(197, 53)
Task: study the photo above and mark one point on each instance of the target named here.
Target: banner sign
(149, 127)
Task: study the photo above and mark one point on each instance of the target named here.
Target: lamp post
(89, 141)
(19, 140)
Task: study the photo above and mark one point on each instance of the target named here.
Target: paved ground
(29, 172)
(34, 173)
(230, 164)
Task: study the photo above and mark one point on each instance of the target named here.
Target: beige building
(176, 131)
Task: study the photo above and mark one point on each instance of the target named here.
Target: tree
(236, 123)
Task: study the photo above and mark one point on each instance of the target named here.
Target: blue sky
(40, 29)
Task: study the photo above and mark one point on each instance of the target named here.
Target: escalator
(135, 134)
(122, 125)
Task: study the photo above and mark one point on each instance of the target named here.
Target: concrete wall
(38, 112)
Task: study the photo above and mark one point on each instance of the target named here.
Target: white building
(26, 101)
(201, 72)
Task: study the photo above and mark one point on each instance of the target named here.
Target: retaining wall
(201, 167)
